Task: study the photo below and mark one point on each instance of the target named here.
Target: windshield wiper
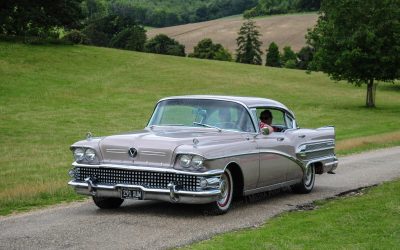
(207, 126)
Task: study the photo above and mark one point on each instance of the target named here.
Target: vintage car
(203, 149)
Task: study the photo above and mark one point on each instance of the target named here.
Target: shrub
(76, 37)
(273, 56)
(288, 58)
(206, 49)
(162, 44)
(132, 38)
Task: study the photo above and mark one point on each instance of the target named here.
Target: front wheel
(307, 183)
(107, 203)
(222, 205)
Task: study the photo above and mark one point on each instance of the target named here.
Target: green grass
(369, 221)
(50, 96)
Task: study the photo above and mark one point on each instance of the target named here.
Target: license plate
(134, 194)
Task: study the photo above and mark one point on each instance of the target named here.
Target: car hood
(157, 147)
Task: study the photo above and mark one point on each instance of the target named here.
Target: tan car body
(258, 162)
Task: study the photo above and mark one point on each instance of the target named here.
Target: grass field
(50, 96)
(369, 220)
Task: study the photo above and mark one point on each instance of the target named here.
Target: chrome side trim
(271, 187)
(116, 151)
(149, 169)
(315, 150)
(298, 162)
(153, 153)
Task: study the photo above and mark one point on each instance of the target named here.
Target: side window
(279, 120)
(278, 117)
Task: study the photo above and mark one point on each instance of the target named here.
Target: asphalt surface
(156, 225)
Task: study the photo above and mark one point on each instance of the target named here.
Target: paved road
(154, 225)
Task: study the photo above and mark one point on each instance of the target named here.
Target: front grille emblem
(132, 152)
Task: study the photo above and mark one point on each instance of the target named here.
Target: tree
(116, 31)
(206, 49)
(288, 58)
(273, 56)
(21, 17)
(162, 44)
(132, 38)
(249, 44)
(358, 41)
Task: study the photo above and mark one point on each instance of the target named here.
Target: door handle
(302, 136)
(280, 139)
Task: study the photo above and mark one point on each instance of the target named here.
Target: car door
(275, 152)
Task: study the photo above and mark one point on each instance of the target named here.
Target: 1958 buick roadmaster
(203, 150)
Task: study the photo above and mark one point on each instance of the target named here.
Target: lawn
(370, 220)
(50, 96)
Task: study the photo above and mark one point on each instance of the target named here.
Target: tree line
(273, 7)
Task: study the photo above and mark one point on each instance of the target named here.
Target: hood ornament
(195, 141)
(89, 136)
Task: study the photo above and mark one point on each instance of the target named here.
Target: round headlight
(184, 160)
(79, 153)
(90, 154)
(197, 161)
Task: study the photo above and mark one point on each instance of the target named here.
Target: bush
(305, 56)
(132, 38)
(162, 44)
(76, 37)
(206, 49)
(289, 58)
(273, 56)
(290, 64)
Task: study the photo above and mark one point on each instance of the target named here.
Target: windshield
(202, 113)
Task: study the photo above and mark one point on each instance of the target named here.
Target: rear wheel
(307, 184)
(107, 203)
(222, 205)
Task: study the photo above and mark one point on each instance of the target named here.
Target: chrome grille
(319, 154)
(321, 145)
(156, 180)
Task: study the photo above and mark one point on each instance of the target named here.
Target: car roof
(250, 102)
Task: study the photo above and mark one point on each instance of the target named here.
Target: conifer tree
(273, 56)
(249, 44)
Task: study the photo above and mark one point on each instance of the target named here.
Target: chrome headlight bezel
(85, 155)
(90, 154)
(190, 161)
(185, 160)
(79, 154)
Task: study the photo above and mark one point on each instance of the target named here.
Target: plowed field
(283, 29)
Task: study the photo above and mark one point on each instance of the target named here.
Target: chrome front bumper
(169, 195)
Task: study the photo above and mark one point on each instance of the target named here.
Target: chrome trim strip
(333, 158)
(150, 169)
(147, 190)
(315, 150)
(155, 153)
(271, 187)
(331, 163)
(298, 162)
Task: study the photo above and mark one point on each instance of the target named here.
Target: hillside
(285, 30)
(50, 96)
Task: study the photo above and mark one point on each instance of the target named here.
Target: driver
(265, 122)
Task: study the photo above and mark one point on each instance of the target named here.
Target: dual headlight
(84, 154)
(190, 161)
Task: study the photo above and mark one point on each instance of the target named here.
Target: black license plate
(134, 194)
